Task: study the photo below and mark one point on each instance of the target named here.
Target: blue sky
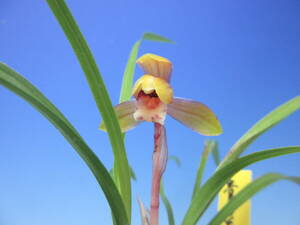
(241, 58)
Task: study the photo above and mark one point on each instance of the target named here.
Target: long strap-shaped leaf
(92, 73)
(20, 86)
(247, 192)
(216, 153)
(209, 146)
(130, 67)
(209, 190)
(175, 159)
(167, 204)
(164, 197)
(260, 127)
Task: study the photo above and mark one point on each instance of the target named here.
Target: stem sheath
(160, 156)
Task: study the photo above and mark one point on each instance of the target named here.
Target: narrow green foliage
(210, 189)
(216, 153)
(167, 205)
(130, 67)
(209, 146)
(154, 37)
(93, 76)
(163, 195)
(20, 86)
(132, 174)
(247, 192)
(260, 127)
(129, 73)
(175, 159)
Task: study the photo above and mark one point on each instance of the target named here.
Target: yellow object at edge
(242, 216)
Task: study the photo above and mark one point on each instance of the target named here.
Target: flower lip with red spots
(151, 100)
(149, 108)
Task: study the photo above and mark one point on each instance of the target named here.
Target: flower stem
(160, 156)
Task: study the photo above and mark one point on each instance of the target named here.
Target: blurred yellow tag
(242, 215)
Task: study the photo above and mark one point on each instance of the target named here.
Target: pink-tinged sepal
(156, 65)
(124, 112)
(195, 115)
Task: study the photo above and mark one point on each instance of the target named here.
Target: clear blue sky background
(241, 58)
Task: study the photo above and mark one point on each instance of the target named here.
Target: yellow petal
(163, 90)
(156, 66)
(145, 83)
(241, 216)
(149, 83)
(124, 112)
(195, 115)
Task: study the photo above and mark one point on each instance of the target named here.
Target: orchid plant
(153, 100)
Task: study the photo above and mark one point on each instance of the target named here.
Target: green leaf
(247, 192)
(20, 86)
(155, 37)
(130, 67)
(132, 173)
(129, 73)
(175, 159)
(216, 153)
(208, 148)
(209, 190)
(163, 195)
(260, 127)
(167, 205)
(95, 81)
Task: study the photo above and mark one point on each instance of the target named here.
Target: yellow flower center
(148, 84)
(152, 95)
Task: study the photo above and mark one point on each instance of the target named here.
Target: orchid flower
(154, 99)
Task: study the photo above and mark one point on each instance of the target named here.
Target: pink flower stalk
(153, 101)
(160, 156)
